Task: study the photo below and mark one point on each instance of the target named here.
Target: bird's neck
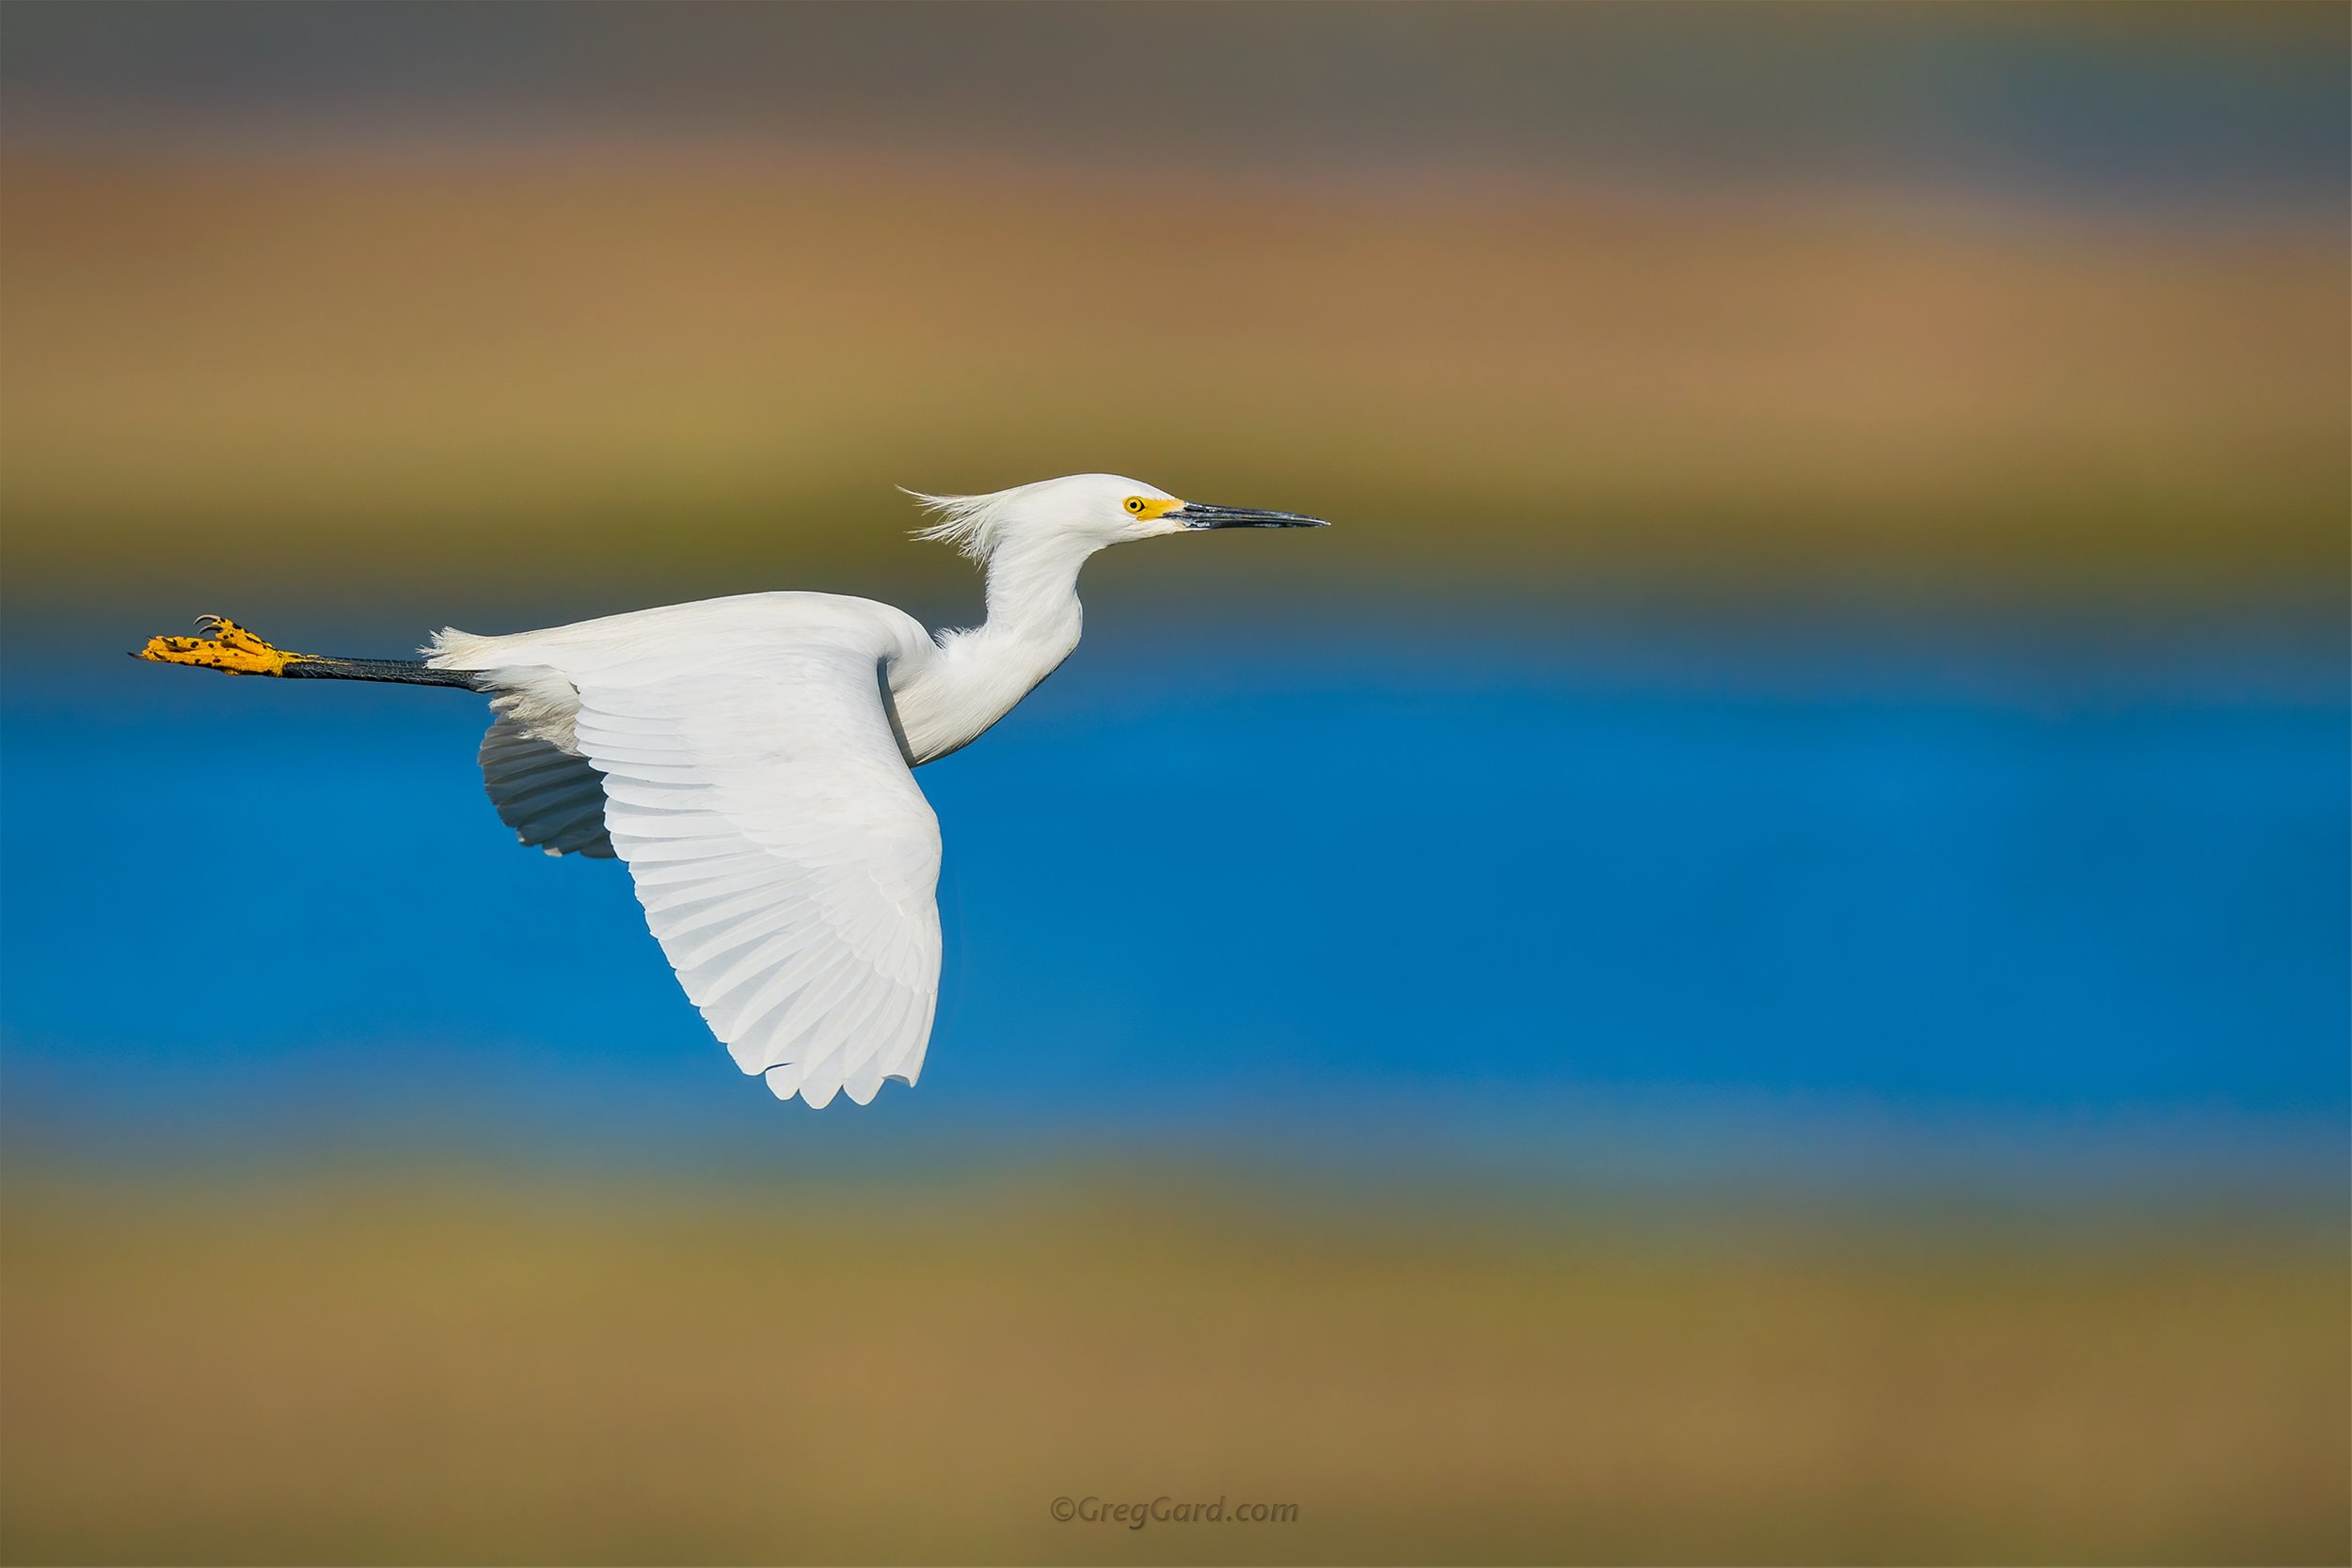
(1034, 620)
(1033, 596)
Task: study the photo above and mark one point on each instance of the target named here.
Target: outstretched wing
(786, 861)
(552, 798)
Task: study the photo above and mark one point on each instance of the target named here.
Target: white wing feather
(750, 777)
(552, 798)
(786, 862)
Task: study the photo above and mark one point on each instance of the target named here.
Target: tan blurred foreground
(694, 371)
(363, 1373)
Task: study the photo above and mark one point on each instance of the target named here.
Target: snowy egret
(748, 758)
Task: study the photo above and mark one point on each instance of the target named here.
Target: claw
(231, 649)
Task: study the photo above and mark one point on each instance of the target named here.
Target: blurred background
(1745, 961)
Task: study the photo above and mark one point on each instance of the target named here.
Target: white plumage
(749, 759)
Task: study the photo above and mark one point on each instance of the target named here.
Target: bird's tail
(234, 651)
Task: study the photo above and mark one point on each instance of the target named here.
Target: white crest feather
(967, 522)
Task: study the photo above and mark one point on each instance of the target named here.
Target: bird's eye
(1135, 504)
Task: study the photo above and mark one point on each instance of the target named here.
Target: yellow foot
(230, 648)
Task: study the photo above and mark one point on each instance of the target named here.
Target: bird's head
(1084, 510)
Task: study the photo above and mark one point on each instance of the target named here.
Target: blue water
(1315, 889)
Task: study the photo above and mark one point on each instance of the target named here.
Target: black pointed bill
(1195, 514)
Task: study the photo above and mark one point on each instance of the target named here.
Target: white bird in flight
(749, 759)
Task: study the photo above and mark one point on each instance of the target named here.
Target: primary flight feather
(749, 759)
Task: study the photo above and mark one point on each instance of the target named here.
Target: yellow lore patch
(1150, 507)
(230, 648)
